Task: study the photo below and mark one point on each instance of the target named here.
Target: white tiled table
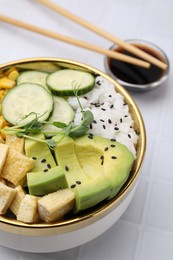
(145, 231)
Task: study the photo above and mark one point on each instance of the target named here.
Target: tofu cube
(16, 166)
(15, 142)
(7, 195)
(20, 194)
(3, 155)
(28, 209)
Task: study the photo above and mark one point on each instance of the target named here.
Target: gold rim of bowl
(96, 213)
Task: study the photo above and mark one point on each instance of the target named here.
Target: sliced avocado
(66, 158)
(117, 162)
(41, 183)
(89, 191)
(41, 153)
(90, 157)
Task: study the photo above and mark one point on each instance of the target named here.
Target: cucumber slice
(24, 99)
(37, 77)
(62, 82)
(62, 112)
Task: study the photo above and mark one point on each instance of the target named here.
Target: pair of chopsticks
(112, 54)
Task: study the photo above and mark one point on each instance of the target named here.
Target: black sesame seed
(113, 145)
(104, 127)
(97, 105)
(86, 98)
(66, 168)
(111, 106)
(45, 170)
(104, 109)
(109, 121)
(73, 186)
(116, 128)
(98, 83)
(78, 182)
(102, 157)
(126, 116)
(48, 166)
(102, 162)
(110, 95)
(113, 140)
(43, 160)
(102, 120)
(94, 121)
(121, 120)
(129, 135)
(106, 149)
(90, 136)
(34, 158)
(91, 127)
(114, 157)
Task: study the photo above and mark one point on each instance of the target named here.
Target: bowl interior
(8, 223)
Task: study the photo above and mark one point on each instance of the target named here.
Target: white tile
(134, 212)
(155, 246)
(163, 158)
(151, 105)
(167, 121)
(159, 210)
(125, 14)
(157, 18)
(148, 159)
(119, 242)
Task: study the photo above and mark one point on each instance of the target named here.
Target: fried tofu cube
(16, 166)
(28, 209)
(15, 142)
(55, 205)
(20, 194)
(7, 195)
(3, 155)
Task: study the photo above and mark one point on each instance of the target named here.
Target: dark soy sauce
(134, 74)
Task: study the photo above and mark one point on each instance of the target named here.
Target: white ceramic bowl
(79, 229)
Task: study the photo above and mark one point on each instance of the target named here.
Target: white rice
(111, 114)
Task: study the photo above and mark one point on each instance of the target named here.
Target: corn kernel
(9, 71)
(3, 122)
(6, 83)
(13, 75)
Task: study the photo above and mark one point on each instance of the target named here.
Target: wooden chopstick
(72, 41)
(129, 47)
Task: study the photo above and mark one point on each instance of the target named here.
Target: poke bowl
(72, 144)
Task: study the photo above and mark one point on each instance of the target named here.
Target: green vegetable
(34, 126)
